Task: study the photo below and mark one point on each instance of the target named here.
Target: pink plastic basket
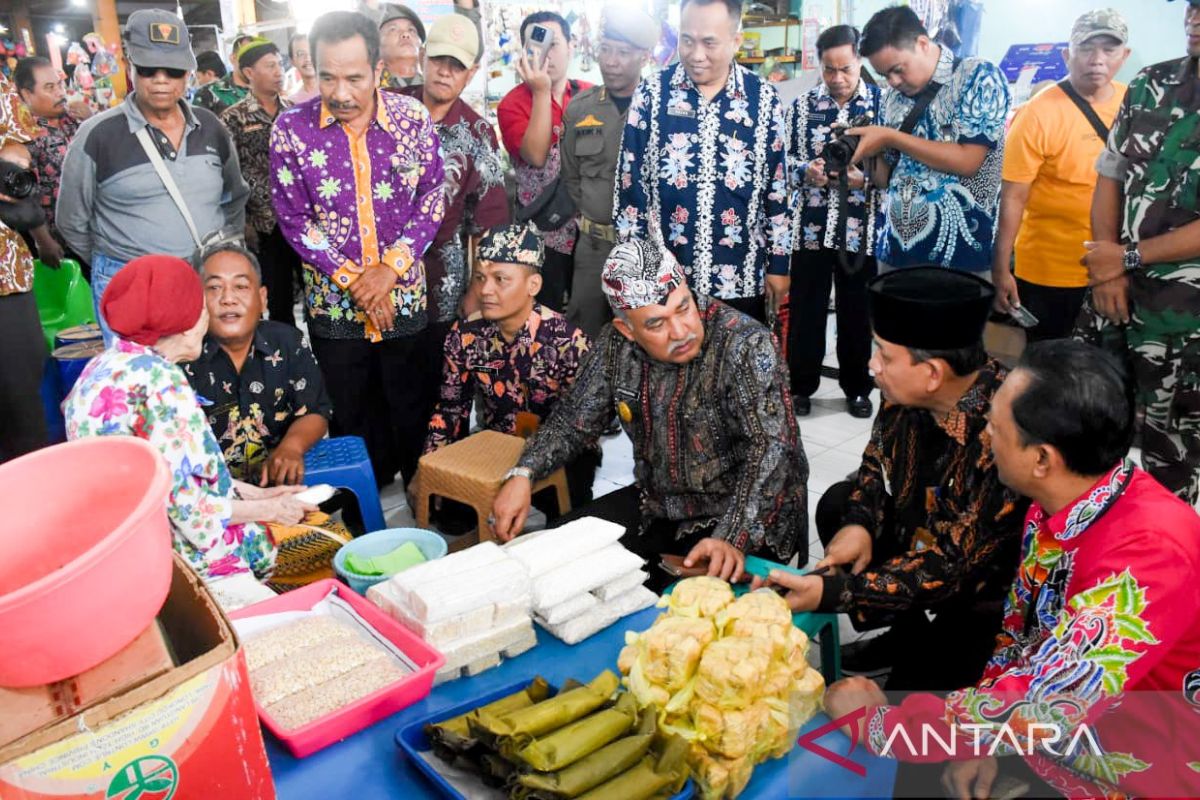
(371, 709)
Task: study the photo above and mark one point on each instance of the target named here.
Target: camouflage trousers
(1161, 348)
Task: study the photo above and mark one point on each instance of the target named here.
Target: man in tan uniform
(592, 127)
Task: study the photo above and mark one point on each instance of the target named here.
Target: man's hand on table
(724, 560)
(511, 507)
(850, 694)
(372, 292)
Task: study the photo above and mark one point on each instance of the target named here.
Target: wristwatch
(524, 472)
(1133, 257)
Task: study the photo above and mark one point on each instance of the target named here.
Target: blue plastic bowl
(432, 545)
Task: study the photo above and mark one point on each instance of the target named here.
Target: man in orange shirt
(1049, 175)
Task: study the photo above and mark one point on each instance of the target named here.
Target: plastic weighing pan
(412, 740)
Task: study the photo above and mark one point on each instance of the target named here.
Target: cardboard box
(189, 734)
(26, 709)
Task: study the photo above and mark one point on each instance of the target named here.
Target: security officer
(592, 125)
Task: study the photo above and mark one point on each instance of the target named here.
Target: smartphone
(1023, 317)
(537, 44)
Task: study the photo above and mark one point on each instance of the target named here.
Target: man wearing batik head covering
(519, 358)
(703, 395)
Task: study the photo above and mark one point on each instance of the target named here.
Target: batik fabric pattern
(130, 390)
(708, 178)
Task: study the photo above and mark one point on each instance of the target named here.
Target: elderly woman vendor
(155, 305)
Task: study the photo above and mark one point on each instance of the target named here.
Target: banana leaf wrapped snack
(603, 765)
(578, 739)
(516, 729)
(452, 738)
(651, 777)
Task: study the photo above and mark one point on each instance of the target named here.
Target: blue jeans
(103, 269)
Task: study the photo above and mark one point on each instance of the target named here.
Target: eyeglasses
(150, 72)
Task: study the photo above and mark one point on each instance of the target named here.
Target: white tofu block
(450, 596)
(572, 607)
(621, 585)
(464, 651)
(590, 622)
(479, 665)
(583, 575)
(548, 550)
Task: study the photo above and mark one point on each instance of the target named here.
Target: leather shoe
(860, 407)
(802, 406)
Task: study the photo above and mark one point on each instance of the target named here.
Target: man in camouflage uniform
(1144, 265)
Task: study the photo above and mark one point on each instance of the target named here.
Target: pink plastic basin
(85, 555)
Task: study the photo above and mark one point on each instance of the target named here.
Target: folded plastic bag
(546, 550)
(597, 619)
(569, 608)
(618, 587)
(583, 575)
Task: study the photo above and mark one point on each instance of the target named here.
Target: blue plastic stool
(51, 396)
(344, 464)
(823, 628)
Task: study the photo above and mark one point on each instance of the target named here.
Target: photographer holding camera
(938, 150)
(22, 347)
(833, 226)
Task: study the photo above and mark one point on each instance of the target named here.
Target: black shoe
(802, 406)
(871, 656)
(860, 407)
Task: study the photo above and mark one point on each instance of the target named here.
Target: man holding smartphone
(530, 118)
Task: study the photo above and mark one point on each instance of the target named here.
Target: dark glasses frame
(150, 72)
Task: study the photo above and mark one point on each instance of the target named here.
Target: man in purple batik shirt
(356, 181)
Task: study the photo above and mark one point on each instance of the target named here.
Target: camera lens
(17, 183)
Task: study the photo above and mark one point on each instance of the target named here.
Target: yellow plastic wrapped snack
(698, 597)
(732, 671)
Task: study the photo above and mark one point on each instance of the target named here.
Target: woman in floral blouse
(155, 305)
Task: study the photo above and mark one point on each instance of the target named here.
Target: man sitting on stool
(927, 525)
(703, 395)
(520, 358)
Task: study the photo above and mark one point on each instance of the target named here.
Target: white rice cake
(621, 585)
(547, 550)
(590, 622)
(457, 594)
(520, 639)
(583, 575)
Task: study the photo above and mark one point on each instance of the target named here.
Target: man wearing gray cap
(401, 34)
(154, 174)
(591, 141)
(1049, 175)
(703, 395)
(1144, 261)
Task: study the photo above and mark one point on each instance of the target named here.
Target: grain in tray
(311, 667)
(286, 640)
(307, 705)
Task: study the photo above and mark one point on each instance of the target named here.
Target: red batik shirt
(1100, 629)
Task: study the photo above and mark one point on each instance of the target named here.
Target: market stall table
(369, 765)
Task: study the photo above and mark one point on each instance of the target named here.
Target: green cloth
(405, 556)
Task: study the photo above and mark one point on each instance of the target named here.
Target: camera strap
(1086, 109)
(924, 98)
(168, 182)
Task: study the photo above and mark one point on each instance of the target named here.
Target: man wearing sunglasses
(114, 204)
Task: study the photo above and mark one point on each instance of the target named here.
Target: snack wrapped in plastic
(727, 732)
(718, 777)
(651, 777)
(523, 725)
(452, 737)
(762, 614)
(698, 597)
(603, 765)
(581, 738)
(732, 671)
(668, 654)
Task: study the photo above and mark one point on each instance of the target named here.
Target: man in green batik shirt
(1144, 265)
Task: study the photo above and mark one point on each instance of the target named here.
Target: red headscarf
(152, 297)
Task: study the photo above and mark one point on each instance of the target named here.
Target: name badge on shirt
(681, 110)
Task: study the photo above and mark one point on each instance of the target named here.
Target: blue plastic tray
(412, 740)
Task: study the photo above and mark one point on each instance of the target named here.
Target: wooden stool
(471, 471)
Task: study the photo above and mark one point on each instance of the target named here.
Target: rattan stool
(471, 471)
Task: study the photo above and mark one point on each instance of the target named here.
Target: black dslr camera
(16, 181)
(839, 151)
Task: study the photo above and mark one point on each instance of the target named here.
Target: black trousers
(814, 274)
(558, 271)
(23, 359)
(378, 392)
(624, 507)
(943, 654)
(753, 307)
(1056, 308)
(281, 274)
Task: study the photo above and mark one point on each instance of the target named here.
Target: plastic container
(366, 711)
(432, 545)
(85, 555)
(413, 741)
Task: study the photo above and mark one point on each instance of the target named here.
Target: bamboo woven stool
(471, 472)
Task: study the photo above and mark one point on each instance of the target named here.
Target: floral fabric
(934, 217)
(708, 178)
(1099, 629)
(16, 263)
(347, 202)
(130, 390)
(48, 149)
(529, 374)
(249, 127)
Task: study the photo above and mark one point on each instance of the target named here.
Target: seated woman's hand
(285, 509)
